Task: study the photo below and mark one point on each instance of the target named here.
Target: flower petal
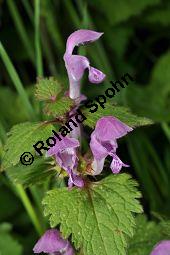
(67, 158)
(109, 127)
(81, 37)
(97, 166)
(74, 179)
(117, 164)
(95, 75)
(65, 154)
(65, 143)
(50, 242)
(98, 150)
(76, 66)
(162, 248)
(70, 250)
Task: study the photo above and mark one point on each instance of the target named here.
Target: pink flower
(104, 142)
(162, 248)
(65, 155)
(52, 242)
(76, 64)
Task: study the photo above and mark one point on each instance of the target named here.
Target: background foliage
(32, 43)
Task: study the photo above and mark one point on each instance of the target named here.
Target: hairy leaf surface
(21, 139)
(120, 112)
(36, 173)
(47, 89)
(60, 107)
(98, 217)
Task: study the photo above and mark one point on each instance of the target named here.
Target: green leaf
(21, 139)
(161, 71)
(5, 227)
(121, 40)
(147, 234)
(159, 15)
(10, 105)
(120, 112)
(47, 88)
(36, 173)
(153, 101)
(98, 217)
(60, 107)
(120, 10)
(8, 245)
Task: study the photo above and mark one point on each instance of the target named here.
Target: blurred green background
(136, 40)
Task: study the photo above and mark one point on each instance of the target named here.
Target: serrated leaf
(38, 172)
(60, 107)
(98, 217)
(147, 234)
(120, 112)
(47, 89)
(8, 245)
(121, 10)
(21, 139)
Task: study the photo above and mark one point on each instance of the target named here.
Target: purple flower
(76, 64)
(52, 242)
(162, 248)
(65, 154)
(104, 142)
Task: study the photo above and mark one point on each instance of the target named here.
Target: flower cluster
(108, 129)
(103, 141)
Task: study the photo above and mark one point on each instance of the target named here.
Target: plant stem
(48, 52)
(30, 210)
(166, 130)
(53, 27)
(20, 28)
(16, 80)
(72, 12)
(38, 54)
(28, 9)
